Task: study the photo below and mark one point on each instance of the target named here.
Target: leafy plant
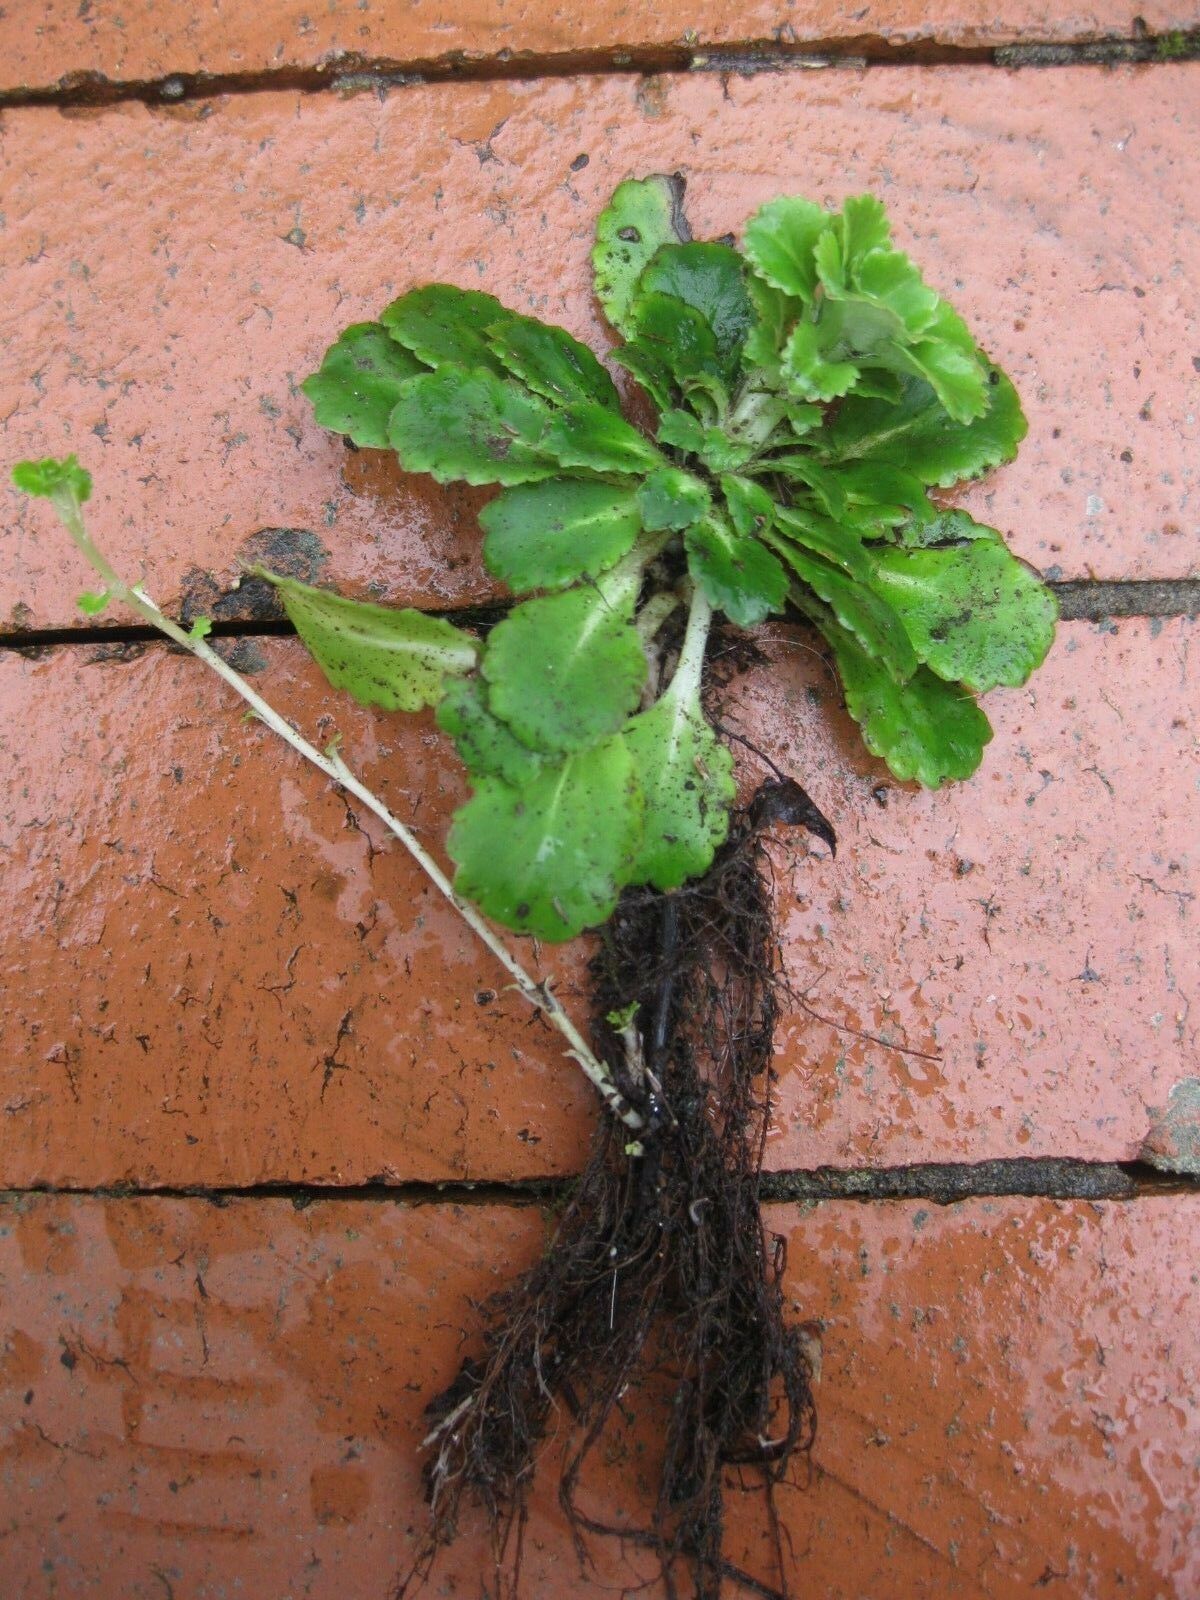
(810, 395)
(811, 391)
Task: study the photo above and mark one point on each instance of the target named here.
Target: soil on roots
(660, 1263)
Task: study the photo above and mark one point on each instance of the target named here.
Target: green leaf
(825, 537)
(860, 312)
(865, 230)
(951, 363)
(683, 431)
(642, 215)
(53, 479)
(720, 453)
(201, 628)
(358, 383)
(470, 426)
(546, 535)
(397, 659)
(686, 776)
(881, 496)
(780, 239)
(830, 262)
(889, 282)
(957, 380)
(564, 670)
(877, 384)
(737, 575)
(92, 604)
(648, 369)
(671, 346)
(774, 313)
(802, 417)
(974, 613)
(879, 294)
(712, 446)
(859, 610)
(811, 372)
(487, 747)
(671, 498)
(551, 362)
(445, 326)
(749, 505)
(918, 436)
(933, 527)
(550, 857)
(449, 327)
(584, 434)
(924, 729)
(826, 486)
(711, 279)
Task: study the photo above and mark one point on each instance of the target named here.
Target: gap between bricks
(348, 72)
(1080, 600)
(939, 1183)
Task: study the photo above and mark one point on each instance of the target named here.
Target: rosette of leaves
(809, 393)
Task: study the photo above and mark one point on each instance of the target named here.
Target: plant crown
(809, 392)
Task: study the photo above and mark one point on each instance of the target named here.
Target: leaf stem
(620, 586)
(685, 683)
(539, 995)
(653, 614)
(755, 416)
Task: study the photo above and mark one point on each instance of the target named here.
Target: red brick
(142, 39)
(159, 317)
(1035, 928)
(214, 977)
(232, 1398)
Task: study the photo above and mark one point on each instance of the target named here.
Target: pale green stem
(539, 995)
(755, 416)
(685, 683)
(620, 586)
(653, 614)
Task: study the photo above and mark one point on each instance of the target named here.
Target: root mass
(660, 1266)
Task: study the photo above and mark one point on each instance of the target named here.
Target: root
(660, 1262)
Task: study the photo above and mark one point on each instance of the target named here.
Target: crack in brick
(348, 72)
(1079, 600)
(1095, 600)
(942, 1183)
